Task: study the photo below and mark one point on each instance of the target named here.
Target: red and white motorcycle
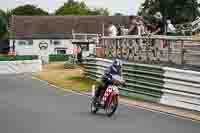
(110, 99)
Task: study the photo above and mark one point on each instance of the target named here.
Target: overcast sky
(123, 6)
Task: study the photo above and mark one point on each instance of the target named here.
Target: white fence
(166, 50)
(17, 67)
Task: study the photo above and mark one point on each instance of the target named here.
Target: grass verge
(68, 79)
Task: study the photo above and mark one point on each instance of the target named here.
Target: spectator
(119, 30)
(124, 31)
(159, 25)
(79, 55)
(133, 29)
(149, 28)
(112, 30)
(141, 28)
(170, 28)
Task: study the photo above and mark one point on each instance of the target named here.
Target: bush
(34, 57)
(18, 57)
(54, 58)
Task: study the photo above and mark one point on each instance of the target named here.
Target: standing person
(119, 30)
(159, 25)
(133, 29)
(141, 28)
(79, 54)
(160, 28)
(170, 28)
(112, 30)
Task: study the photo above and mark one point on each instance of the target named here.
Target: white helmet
(117, 63)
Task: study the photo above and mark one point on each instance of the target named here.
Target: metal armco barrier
(95, 67)
(143, 81)
(153, 83)
(181, 88)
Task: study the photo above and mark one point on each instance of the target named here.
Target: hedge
(18, 57)
(54, 58)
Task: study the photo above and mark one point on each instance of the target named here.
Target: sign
(43, 45)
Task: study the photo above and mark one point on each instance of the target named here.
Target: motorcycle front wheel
(112, 107)
(93, 106)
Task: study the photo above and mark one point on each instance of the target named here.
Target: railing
(82, 37)
(176, 51)
(95, 67)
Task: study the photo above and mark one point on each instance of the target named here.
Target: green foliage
(180, 11)
(30, 10)
(3, 25)
(99, 11)
(56, 58)
(17, 58)
(118, 14)
(6, 15)
(72, 8)
(79, 8)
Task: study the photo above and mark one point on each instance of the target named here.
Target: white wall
(17, 67)
(35, 50)
(63, 44)
(91, 50)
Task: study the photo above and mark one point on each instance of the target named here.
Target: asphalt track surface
(31, 106)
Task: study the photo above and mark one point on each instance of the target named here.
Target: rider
(114, 69)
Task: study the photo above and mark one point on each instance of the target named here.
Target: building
(45, 35)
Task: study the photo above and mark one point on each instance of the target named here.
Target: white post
(103, 29)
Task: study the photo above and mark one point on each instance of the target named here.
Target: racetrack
(31, 106)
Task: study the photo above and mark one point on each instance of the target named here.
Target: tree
(180, 11)
(79, 8)
(99, 11)
(6, 15)
(3, 24)
(73, 8)
(118, 14)
(30, 10)
(3, 29)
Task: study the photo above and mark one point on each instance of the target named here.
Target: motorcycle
(108, 99)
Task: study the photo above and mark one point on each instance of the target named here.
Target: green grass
(68, 79)
(84, 84)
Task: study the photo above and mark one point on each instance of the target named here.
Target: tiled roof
(60, 26)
